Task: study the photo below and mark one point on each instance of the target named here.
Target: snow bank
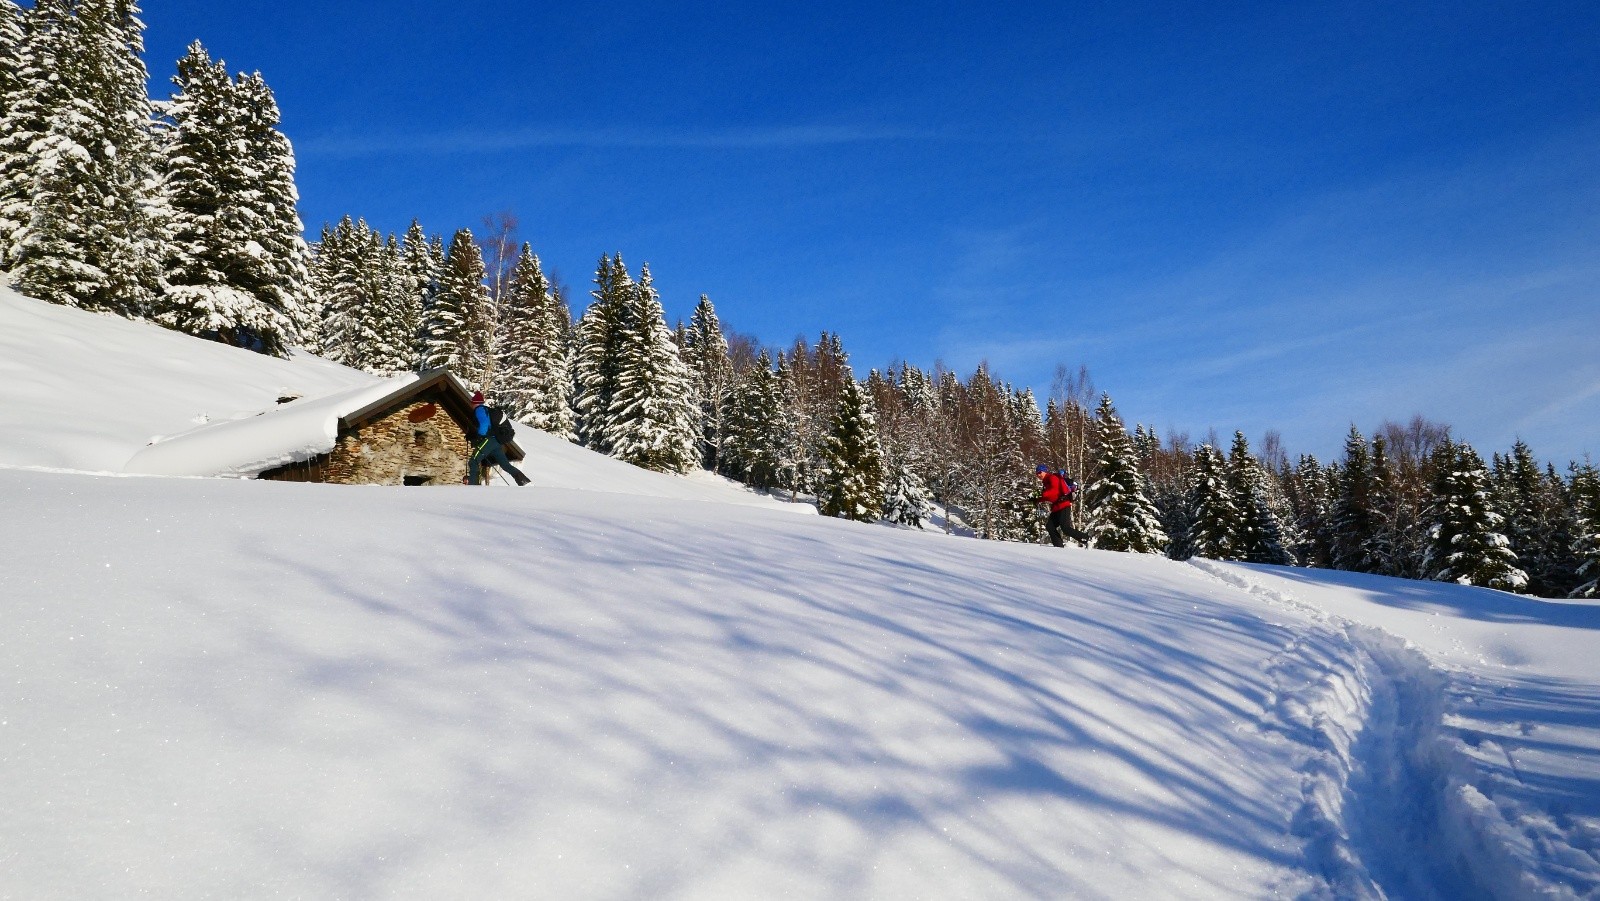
(290, 433)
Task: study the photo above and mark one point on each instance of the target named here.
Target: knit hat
(477, 398)
(1042, 468)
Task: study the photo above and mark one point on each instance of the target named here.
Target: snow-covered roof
(294, 432)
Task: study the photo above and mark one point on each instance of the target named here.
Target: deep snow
(616, 684)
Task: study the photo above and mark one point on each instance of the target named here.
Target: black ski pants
(492, 453)
(1060, 522)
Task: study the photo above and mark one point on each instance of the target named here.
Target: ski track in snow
(1403, 796)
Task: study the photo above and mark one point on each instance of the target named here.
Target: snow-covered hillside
(621, 685)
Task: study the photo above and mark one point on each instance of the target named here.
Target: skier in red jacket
(1057, 491)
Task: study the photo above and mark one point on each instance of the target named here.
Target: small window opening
(420, 436)
(415, 481)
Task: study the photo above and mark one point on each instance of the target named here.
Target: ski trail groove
(1382, 810)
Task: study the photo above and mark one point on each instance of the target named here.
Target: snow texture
(624, 684)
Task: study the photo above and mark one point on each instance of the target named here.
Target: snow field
(251, 688)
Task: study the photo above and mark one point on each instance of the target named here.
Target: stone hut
(408, 430)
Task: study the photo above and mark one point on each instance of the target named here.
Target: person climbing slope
(1057, 490)
(489, 443)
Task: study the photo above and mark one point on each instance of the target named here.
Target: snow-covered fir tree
(532, 352)
(906, 499)
(1214, 520)
(705, 351)
(852, 476)
(654, 422)
(1355, 522)
(235, 260)
(755, 428)
(422, 259)
(1122, 518)
(1468, 545)
(1311, 492)
(1261, 533)
(1539, 521)
(78, 194)
(1585, 489)
(453, 331)
(12, 41)
(597, 352)
(275, 201)
(386, 317)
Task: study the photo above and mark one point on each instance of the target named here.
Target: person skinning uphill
(1057, 491)
(488, 446)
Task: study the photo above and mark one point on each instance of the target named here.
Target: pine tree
(597, 352)
(533, 350)
(35, 92)
(235, 266)
(755, 429)
(12, 52)
(274, 199)
(334, 286)
(1311, 496)
(706, 354)
(1585, 490)
(1214, 520)
(1467, 544)
(1121, 515)
(852, 478)
(78, 197)
(1355, 522)
(906, 499)
(422, 260)
(1260, 532)
(653, 417)
(1537, 522)
(453, 332)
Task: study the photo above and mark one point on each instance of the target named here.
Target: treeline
(179, 211)
(1410, 502)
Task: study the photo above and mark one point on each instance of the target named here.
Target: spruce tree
(1468, 546)
(653, 418)
(1122, 516)
(906, 499)
(756, 432)
(533, 350)
(1355, 521)
(597, 350)
(1538, 522)
(422, 259)
(1214, 520)
(235, 261)
(12, 49)
(77, 195)
(852, 474)
(334, 287)
(274, 202)
(1261, 534)
(1585, 490)
(705, 351)
(452, 332)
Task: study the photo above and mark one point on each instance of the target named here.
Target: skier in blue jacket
(487, 448)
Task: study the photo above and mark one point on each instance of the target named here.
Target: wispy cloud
(468, 141)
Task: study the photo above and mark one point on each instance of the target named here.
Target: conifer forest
(183, 211)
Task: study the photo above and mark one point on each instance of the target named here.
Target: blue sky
(1251, 215)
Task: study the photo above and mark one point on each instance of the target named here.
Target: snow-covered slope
(624, 685)
(86, 392)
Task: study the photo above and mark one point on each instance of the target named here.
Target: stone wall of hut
(416, 443)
